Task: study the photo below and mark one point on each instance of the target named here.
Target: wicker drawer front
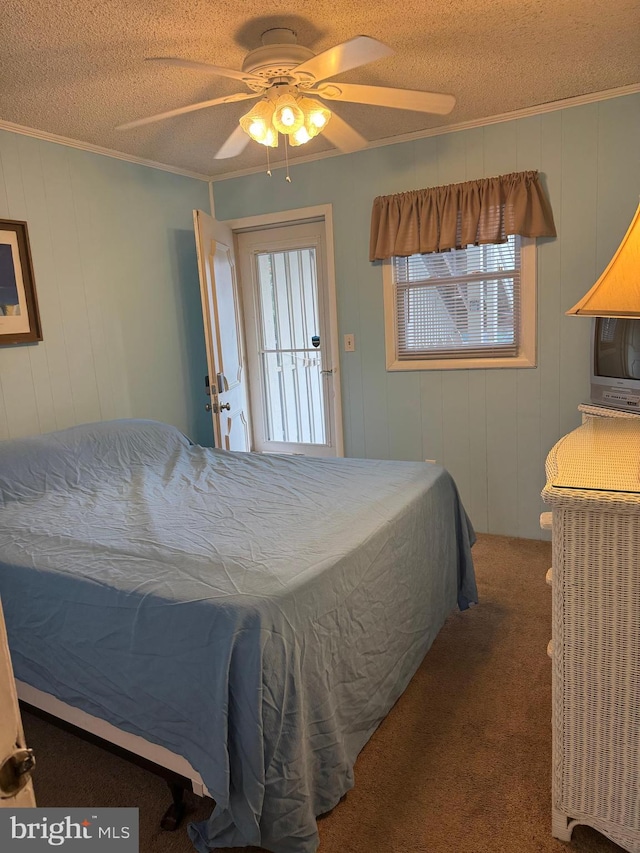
(596, 666)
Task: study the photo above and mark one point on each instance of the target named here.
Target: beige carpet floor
(460, 765)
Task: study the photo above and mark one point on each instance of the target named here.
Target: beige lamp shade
(316, 117)
(257, 123)
(617, 292)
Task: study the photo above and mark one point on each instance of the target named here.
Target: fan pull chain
(268, 165)
(286, 157)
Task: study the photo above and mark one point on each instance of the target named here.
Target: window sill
(518, 361)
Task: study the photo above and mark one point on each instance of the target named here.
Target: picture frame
(19, 316)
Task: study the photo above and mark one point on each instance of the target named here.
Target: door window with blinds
(465, 308)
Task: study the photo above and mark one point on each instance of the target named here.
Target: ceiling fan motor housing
(277, 56)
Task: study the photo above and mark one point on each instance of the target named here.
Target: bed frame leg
(174, 814)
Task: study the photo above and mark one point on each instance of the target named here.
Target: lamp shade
(316, 117)
(287, 116)
(257, 123)
(300, 137)
(617, 292)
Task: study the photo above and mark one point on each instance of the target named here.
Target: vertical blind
(459, 304)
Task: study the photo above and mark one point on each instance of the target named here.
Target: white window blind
(464, 303)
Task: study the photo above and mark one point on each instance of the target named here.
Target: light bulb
(316, 118)
(300, 137)
(258, 130)
(316, 115)
(287, 116)
(271, 138)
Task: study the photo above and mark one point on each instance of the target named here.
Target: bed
(255, 615)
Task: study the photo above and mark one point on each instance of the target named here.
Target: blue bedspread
(258, 615)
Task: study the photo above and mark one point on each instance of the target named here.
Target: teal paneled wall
(115, 270)
(491, 428)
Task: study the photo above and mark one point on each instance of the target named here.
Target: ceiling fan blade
(350, 54)
(382, 96)
(206, 66)
(343, 136)
(201, 105)
(233, 145)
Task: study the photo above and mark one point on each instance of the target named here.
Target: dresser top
(599, 460)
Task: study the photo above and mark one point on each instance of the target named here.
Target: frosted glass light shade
(257, 123)
(299, 118)
(287, 116)
(316, 117)
(617, 292)
(300, 137)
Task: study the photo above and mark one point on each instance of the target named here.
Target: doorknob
(226, 406)
(216, 408)
(15, 772)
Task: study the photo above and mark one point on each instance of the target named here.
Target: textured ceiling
(76, 68)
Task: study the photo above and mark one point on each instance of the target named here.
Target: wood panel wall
(491, 428)
(115, 272)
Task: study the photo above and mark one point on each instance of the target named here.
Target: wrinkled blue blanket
(258, 615)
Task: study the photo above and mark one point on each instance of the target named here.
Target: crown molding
(97, 149)
(550, 106)
(539, 109)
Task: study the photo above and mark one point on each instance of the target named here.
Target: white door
(283, 273)
(16, 761)
(227, 380)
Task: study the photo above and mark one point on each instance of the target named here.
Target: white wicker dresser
(593, 487)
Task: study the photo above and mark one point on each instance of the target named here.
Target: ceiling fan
(287, 77)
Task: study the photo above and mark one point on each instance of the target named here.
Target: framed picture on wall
(19, 318)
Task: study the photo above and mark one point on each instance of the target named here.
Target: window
(291, 365)
(465, 308)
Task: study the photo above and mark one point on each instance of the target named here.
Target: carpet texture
(460, 765)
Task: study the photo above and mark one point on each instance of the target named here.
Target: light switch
(349, 343)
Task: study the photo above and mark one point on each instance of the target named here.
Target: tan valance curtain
(458, 215)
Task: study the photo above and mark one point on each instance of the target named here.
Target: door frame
(291, 217)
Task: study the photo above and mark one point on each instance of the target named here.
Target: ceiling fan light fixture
(282, 74)
(316, 115)
(300, 137)
(287, 115)
(257, 123)
(271, 138)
